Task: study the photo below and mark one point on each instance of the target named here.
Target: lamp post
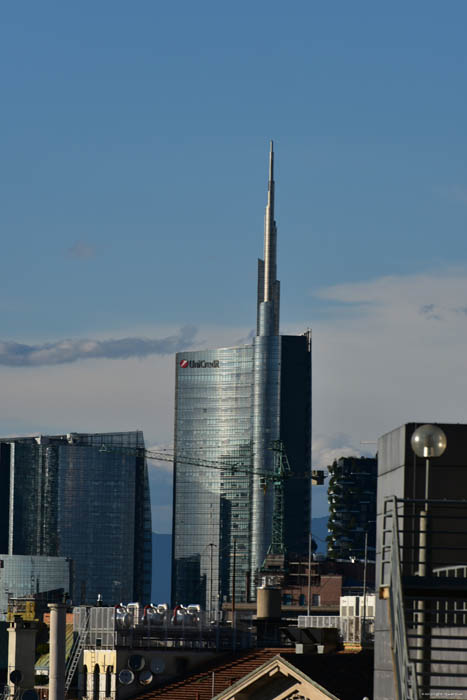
(363, 631)
(234, 575)
(308, 598)
(427, 441)
(211, 545)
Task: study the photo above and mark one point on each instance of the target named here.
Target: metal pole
(424, 617)
(363, 632)
(309, 576)
(233, 579)
(427, 482)
(422, 571)
(211, 545)
(420, 614)
(423, 629)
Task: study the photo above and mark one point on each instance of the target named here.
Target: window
(96, 679)
(108, 681)
(85, 680)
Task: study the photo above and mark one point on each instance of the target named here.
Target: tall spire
(268, 284)
(270, 235)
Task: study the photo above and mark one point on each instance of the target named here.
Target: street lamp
(211, 545)
(363, 630)
(427, 441)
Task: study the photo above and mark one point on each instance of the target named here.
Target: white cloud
(162, 466)
(399, 356)
(13, 354)
(327, 448)
(99, 394)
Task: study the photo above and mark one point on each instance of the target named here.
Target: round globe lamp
(429, 441)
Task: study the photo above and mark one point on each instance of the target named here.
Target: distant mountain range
(162, 553)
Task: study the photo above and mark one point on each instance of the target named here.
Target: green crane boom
(277, 478)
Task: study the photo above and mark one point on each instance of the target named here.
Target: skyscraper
(352, 508)
(231, 404)
(62, 495)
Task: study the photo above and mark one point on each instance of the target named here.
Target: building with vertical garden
(352, 508)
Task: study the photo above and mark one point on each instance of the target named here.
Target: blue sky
(134, 143)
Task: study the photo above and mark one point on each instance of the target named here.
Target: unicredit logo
(199, 364)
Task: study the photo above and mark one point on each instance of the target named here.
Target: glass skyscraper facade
(26, 576)
(85, 497)
(231, 404)
(213, 407)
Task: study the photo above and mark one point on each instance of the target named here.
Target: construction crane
(275, 478)
(280, 474)
(317, 475)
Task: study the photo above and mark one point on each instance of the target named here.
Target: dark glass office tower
(230, 405)
(64, 495)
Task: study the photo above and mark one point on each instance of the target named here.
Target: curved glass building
(64, 496)
(214, 399)
(231, 404)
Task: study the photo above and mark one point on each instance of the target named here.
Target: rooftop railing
(424, 576)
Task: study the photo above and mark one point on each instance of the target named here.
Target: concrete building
(421, 568)
(128, 651)
(21, 653)
(265, 673)
(84, 497)
(131, 648)
(230, 405)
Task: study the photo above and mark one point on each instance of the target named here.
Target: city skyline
(132, 167)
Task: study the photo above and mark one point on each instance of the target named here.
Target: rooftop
(347, 674)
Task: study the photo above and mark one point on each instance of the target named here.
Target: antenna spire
(270, 234)
(271, 161)
(268, 284)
